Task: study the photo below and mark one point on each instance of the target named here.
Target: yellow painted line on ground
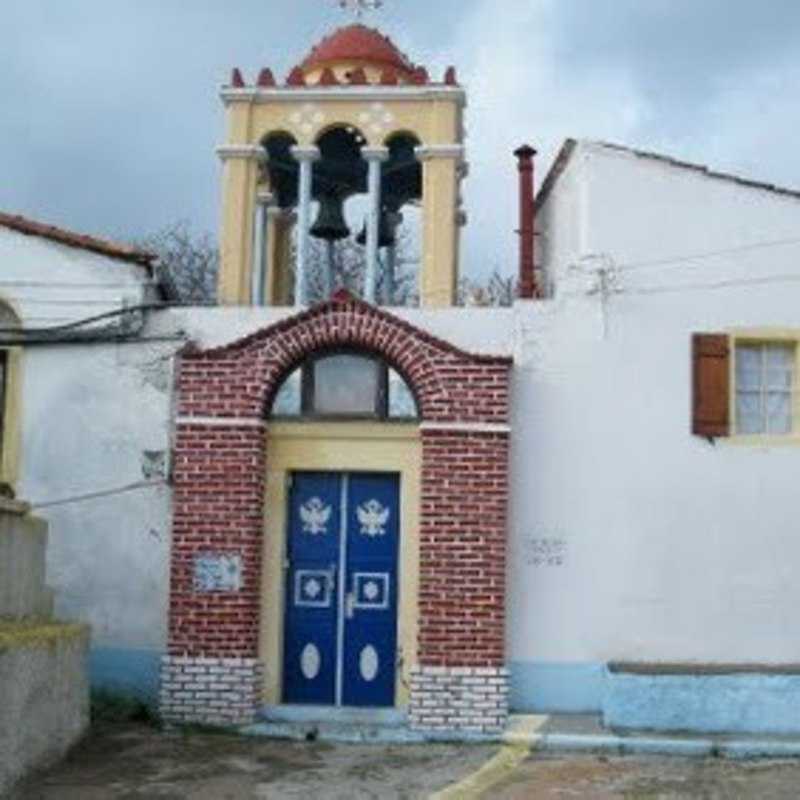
(519, 741)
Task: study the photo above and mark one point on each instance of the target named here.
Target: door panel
(370, 630)
(312, 591)
(340, 639)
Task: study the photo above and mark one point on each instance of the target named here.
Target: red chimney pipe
(527, 213)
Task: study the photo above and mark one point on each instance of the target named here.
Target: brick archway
(220, 462)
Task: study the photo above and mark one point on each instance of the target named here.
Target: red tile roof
(70, 239)
(358, 43)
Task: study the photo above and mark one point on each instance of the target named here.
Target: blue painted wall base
(556, 687)
(133, 673)
(747, 702)
(734, 703)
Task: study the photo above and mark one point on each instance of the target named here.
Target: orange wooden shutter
(710, 384)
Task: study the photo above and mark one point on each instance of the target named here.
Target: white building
(633, 539)
(86, 411)
(651, 537)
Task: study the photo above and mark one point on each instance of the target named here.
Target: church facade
(438, 514)
(375, 453)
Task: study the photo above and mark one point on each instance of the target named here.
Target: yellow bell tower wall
(431, 113)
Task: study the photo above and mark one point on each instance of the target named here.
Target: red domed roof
(358, 43)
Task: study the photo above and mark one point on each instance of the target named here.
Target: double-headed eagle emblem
(314, 515)
(372, 517)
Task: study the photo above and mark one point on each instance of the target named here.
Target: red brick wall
(219, 480)
(463, 549)
(217, 507)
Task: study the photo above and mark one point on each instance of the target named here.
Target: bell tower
(355, 117)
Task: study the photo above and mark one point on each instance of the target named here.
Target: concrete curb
(342, 733)
(528, 732)
(623, 745)
(701, 747)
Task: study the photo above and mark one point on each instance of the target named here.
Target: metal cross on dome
(359, 7)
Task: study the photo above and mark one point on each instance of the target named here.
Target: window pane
(288, 400)
(779, 412)
(764, 385)
(346, 385)
(401, 399)
(749, 366)
(780, 356)
(749, 418)
(780, 360)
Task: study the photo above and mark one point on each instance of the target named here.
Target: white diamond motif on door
(310, 662)
(368, 663)
(315, 515)
(312, 588)
(371, 590)
(372, 516)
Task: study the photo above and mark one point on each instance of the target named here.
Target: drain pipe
(528, 290)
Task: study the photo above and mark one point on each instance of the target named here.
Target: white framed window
(765, 382)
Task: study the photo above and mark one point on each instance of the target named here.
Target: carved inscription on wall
(545, 549)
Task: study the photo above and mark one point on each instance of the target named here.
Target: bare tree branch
(190, 260)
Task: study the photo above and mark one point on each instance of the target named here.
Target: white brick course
(465, 699)
(211, 691)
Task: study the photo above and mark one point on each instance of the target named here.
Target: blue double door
(340, 627)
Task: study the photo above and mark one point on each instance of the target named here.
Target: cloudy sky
(110, 112)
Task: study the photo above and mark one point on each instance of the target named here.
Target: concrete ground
(132, 762)
(551, 777)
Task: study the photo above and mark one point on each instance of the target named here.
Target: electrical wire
(722, 284)
(75, 285)
(80, 498)
(71, 333)
(681, 260)
(89, 320)
(74, 339)
(32, 301)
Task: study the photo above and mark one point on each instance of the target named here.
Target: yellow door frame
(339, 447)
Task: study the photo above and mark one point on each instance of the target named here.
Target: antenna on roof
(360, 7)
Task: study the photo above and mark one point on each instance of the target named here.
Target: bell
(330, 224)
(386, 237)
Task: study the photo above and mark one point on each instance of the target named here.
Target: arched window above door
(345, 385)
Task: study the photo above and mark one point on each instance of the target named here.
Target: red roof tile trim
(81, 241)
(358, 43)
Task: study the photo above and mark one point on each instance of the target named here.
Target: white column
(258, 277)
(374, 157)
(305, 156)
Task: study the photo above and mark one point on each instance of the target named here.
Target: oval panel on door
(368, 663)
(310, 661)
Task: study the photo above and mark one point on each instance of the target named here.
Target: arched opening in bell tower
(347, 175)
(338, 252)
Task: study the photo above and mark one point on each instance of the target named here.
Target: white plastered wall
(92, 418)
(630, 538)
